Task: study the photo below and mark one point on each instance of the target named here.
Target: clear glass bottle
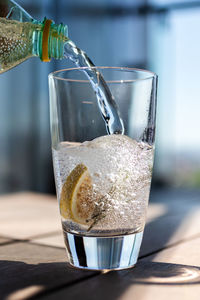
(22, 37)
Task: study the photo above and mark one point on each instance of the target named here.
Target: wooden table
(33, 259)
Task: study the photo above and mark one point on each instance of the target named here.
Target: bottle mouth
(53, 40)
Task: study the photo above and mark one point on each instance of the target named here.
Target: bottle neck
(49, 40)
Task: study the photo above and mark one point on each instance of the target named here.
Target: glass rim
(136, 70)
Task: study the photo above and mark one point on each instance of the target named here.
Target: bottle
(22, 37)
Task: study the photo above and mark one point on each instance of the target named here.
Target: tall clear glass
(102, 181)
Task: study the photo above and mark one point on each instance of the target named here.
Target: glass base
(103, 253)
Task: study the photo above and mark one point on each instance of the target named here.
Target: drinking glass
(102, 180)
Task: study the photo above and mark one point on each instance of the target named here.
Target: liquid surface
(121, 170)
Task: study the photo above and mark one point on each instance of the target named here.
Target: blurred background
(159, 35)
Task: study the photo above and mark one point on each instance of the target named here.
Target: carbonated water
(107, 105)
(120, 169)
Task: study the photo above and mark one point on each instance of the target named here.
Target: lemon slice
(76, 201)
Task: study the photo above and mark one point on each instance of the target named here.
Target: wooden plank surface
(4, 240)
(24, 215)
(55, 240)
(173, 273)
(178, 220)
(27, 269)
